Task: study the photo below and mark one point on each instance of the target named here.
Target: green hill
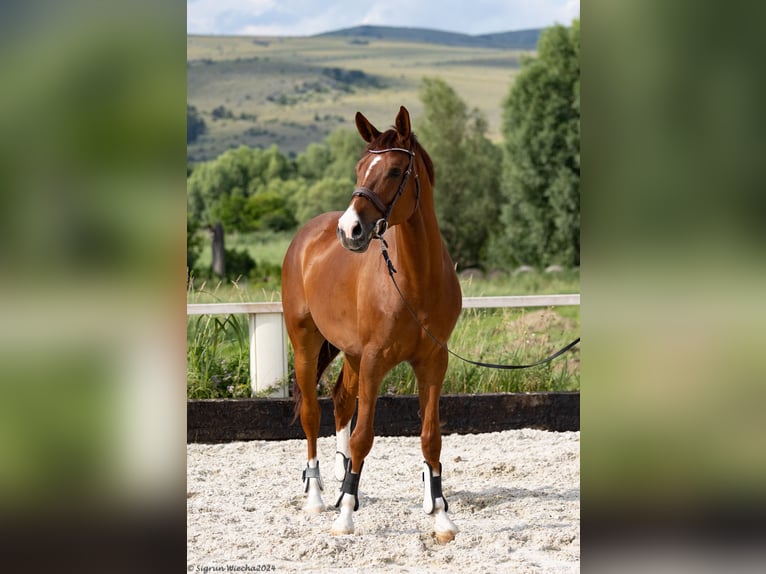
(516, 40)
(260, 91)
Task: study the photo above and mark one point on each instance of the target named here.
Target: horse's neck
(419, 247)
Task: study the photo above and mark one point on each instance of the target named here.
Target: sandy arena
(514, 495)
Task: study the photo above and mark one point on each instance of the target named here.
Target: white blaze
(369, 168)
(348, 221)
(350, 217)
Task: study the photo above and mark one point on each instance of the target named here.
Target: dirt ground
(514, 495)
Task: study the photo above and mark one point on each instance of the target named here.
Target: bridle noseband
(382, 224)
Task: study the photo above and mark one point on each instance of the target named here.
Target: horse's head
(383, 175)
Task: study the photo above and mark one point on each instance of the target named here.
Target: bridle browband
(382, 224)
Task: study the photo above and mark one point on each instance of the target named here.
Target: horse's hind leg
(430, 375)
(344, 400)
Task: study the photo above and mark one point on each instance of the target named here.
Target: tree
(269, 210)
(467, 166)
(219, 190)
(327, 194)
(336, 157)
(541, 174)
(249, 189)
(329, 171)
(219, 250)
(195, 125)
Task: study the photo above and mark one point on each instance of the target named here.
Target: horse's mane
(390, 138)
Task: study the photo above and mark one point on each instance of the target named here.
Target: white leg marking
(342, 438)
(344, 524)
(314, 502)
(444, 528)
(348, 220)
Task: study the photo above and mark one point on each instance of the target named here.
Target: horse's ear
(403, 123)
(368, 131)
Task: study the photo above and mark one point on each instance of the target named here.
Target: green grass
(241, 75)
(217, 357)
(263, 246)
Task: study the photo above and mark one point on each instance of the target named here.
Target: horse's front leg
(344, 400)
(305, 374)
(430, 375)
(360, 446)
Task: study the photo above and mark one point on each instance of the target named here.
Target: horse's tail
(327, 353)
(298, 398)
(338, 388)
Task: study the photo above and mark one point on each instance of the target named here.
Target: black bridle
(382, 224)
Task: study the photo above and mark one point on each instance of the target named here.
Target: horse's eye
(394, 172)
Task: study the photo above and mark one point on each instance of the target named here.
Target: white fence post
(268, 353)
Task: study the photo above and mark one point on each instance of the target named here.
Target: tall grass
(217, 352)
(217, 357)
(507, 336)
(513, 336)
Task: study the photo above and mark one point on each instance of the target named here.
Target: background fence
(268, 338)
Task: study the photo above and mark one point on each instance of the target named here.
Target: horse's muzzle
(358, 242)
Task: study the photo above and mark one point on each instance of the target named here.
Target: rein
(380, 228)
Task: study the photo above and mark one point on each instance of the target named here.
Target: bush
(281, 220)
(268, 210)
(195, 125)
(239, 264)
(222, 112)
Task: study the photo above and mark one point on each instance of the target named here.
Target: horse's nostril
(356, 231)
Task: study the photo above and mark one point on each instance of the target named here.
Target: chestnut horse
(337, 296)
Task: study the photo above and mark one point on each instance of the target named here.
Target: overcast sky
(307, 17)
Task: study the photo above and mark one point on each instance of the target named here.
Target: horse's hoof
(444, 528)
(444, 537)
(314, 509)
(344, 524)
(341, 532)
